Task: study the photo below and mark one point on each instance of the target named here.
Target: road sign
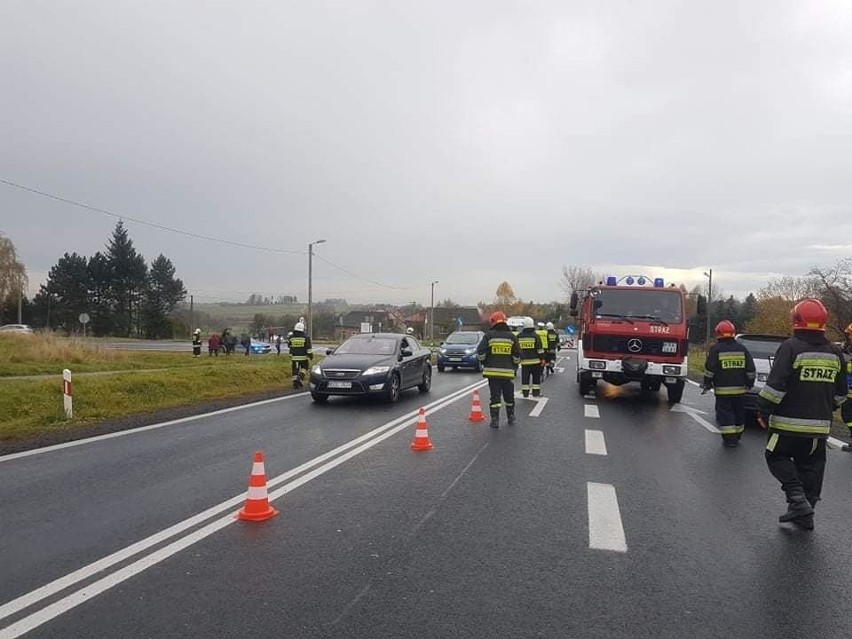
(570, 330)
(84, 318)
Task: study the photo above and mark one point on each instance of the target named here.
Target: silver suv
(762, 349)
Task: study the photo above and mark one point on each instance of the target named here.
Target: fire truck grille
(632, 345)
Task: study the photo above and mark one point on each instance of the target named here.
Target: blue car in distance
(459, 350)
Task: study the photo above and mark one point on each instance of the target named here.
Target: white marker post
(66, 393)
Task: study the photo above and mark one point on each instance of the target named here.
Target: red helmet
(725, 329)
(497, 317)
(809, 315)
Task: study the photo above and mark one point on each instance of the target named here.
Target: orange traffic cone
(421, 435)
(476, 414)
(257, 506)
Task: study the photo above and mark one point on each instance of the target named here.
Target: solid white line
(689, 381)
(133, 431)
(542, 402)
(836, 442)
(595, 443)
(592, 411)
(605, 529)
(81, 574)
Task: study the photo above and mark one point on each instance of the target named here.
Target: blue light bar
(658, 282)
(611, 281)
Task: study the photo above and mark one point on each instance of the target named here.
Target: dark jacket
(532, 350)
(300, 347)
(499, 352)
(729, 368)
(553, 341)
(805, 386)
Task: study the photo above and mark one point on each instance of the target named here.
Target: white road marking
(689, 381)
(605, 529)
(836, 442)
(592, 411)
(696, 415)
(595, 442)
(540, 404)
(559, 369)
(367, 441)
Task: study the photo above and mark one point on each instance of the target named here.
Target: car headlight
(316, 370)
(376, 370)
(469, 351)
(762, 377)
(443, 351)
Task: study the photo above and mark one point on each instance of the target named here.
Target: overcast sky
(468, 142)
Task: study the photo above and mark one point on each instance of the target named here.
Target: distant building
(461, 318)
(354, 322)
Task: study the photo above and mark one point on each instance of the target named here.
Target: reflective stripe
(298, 358)
(729, 390)
(498, 372)
(817, 359)
(731, 430)
(257, 468)
(770, 394)
(770, 445)
(800, 425)
(530, 362)
(257, 492)
(709, 374)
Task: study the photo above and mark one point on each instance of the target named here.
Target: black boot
(797, 507)
(495, 418)
(510, 414)
(730, 441)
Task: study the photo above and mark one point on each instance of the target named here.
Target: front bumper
(658, 369)
(372, 385)
(460, 360)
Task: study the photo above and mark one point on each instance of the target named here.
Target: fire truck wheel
(586, 386)
(675, 391)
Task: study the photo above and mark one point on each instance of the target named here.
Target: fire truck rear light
(597, 365)
(671, 370)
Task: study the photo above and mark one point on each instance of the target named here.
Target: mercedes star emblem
(634, 345)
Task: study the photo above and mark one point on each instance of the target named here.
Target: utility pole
(432, 316)
(20, 296)
(709, 276)
(311, 289)
(191, 304)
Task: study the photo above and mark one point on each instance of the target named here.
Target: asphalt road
(606, 516)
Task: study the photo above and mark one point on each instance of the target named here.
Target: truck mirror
(573, 303)
(598, 303)
(701, 306)
(573, 312)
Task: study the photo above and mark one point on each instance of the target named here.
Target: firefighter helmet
(848, 330)
(528, 322)
(409, 331)
(300, 326)
(550, 326)
(497, 317)
(809, 315)
(725, 329)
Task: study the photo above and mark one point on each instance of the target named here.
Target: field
(111, 384)
(242, 315)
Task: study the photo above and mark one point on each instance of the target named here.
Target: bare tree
(577, 278)
(790, 288)
(835, 291)
(13, 274)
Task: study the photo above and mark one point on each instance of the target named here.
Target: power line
(351, 274)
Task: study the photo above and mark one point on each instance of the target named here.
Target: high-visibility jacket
(805, 385)
(729, 368)
(499, 353)
(552, 341)
(542, 333)
(532, 350)
(300, 347)
(196, 339)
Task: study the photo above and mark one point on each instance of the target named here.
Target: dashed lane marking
(595, 442)
(592, 411)
(606, 531)
(540, 404)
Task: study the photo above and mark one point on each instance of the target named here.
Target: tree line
(121, 294)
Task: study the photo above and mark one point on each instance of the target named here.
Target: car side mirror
(406, 352)
(329, 351)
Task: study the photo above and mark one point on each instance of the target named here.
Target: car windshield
(463, 338)
(367, 346)
(762, 346)
(640, 303)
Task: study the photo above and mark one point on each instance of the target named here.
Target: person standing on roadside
(500, 356)
(277, 344)
(804, 388)
(532, 358)
(846, 408)
(301, 352)
(213, 345)
(729, 369)
(552, 347)
(196, 343)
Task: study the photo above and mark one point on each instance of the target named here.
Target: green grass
(33, 407)
(697, 355)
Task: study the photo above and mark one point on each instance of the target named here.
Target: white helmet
(300, 326)
(528, 322)
(197, 331)
(540, 324)
(550, 326)
(409, 331)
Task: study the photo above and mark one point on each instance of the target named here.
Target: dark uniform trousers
(798, 463)
(531, 371)
(730, 414)
(502, 392)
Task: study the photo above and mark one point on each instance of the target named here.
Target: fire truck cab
(632, 330)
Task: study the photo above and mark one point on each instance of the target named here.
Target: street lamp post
(311, 289)
(709, 276)
(432, 316)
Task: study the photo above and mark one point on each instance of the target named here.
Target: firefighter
(532, 357)
(196, 343)
(846, 408)
(804, 388)
(541, 331)
(552, 347)
(500, 355)
(301, 352)
(729, 368)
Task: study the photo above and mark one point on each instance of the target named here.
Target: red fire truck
(632, 329)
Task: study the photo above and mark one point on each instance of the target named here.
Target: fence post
(66, 393)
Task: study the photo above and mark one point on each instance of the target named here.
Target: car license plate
(335, 384)
(455, 359)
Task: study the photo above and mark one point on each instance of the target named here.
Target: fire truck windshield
(640, 303)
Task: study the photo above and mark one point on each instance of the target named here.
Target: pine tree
(65, 294)
(128, 281)
(163, 294)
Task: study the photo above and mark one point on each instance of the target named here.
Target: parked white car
(762, 349)
(15, 328)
